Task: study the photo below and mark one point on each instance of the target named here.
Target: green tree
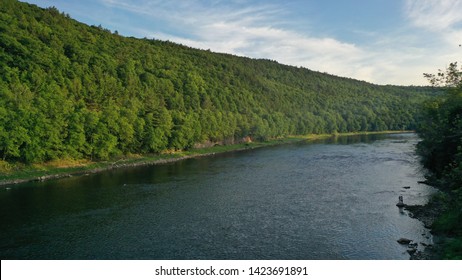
(441, 151)
(159, 125)
(441, 126)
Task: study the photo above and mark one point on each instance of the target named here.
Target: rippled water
(328, 200)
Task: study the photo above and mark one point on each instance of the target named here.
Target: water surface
(332, 199)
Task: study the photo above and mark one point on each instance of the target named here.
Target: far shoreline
(44, 172)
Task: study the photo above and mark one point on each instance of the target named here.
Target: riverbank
(442, 216)
(21, 173)
(11, 174)
(428, 214)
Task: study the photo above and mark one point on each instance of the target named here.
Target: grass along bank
(15, 173)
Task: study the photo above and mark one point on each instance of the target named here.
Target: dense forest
(441, 151)
(68, 90)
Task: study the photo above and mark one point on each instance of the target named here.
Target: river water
(332, 199)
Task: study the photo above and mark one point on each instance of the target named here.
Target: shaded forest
(69, 90)
(441, 151)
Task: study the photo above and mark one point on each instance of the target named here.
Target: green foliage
(441, 129)
(68, 90)
(449, 222)
(441, 151)
(453, 249)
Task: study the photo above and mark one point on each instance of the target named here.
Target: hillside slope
(68, 90)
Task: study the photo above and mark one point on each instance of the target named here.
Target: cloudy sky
(379, 41)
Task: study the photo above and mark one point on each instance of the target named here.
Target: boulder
(404, 241)
(412, 251)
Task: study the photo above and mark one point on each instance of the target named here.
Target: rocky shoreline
(427, 214)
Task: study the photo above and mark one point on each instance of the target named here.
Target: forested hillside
(68, 90)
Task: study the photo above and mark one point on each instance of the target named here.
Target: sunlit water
(325, 200)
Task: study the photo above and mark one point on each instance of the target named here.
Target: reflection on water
(332, 199)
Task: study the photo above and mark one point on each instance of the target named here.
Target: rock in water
(412, 251)
(404, 241)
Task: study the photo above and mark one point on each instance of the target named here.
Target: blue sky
(379, 41)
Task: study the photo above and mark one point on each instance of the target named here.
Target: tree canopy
(77, 91)
(441, 151)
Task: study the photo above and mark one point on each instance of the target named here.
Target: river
(331, 199)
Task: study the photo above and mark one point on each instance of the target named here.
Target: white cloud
(438, 24)
(434, 14)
